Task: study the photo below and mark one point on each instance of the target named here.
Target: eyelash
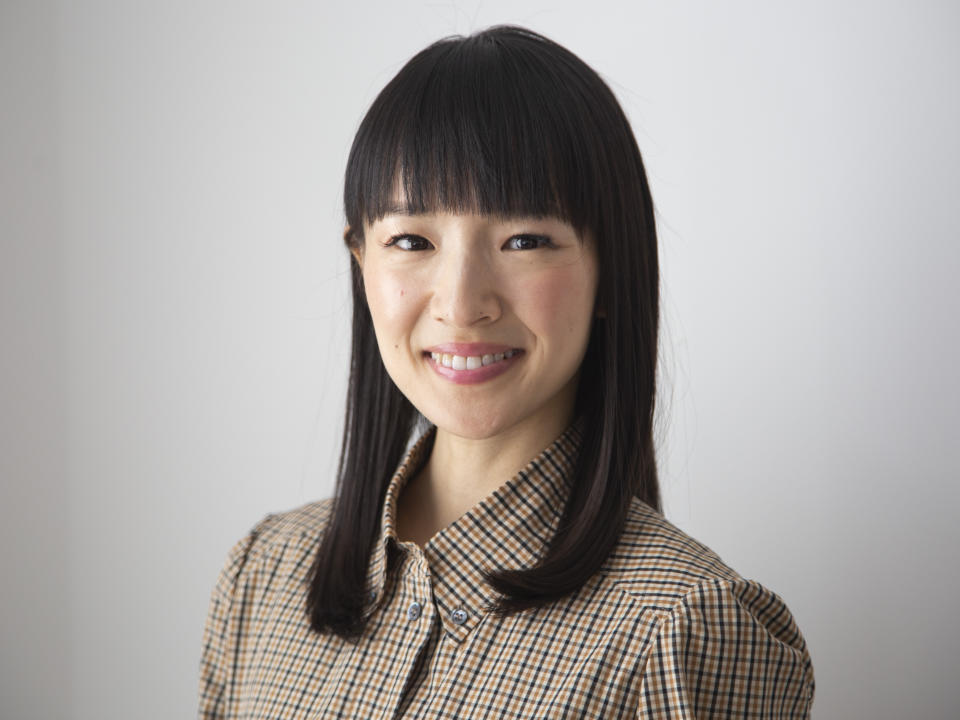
(543, 239)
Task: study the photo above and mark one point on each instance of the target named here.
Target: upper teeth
(470, 362)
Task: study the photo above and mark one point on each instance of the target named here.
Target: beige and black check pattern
(664, 630)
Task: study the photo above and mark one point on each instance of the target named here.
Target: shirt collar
(508, 530)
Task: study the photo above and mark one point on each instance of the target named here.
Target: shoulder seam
(267, 531)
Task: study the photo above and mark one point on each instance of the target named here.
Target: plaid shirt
(663, 630)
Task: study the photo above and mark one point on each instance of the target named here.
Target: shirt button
(413, 612)
(459, 616)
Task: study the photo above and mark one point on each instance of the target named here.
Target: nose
(465, 293)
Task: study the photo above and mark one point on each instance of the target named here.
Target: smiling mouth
(471, 362)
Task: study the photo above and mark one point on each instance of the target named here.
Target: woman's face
(482, 322)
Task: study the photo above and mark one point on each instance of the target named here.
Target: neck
(463, 471)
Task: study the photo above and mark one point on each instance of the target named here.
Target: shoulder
(289, 536)
(715, 629)
(666, 571)
(306, 522)
(657, 562)
(260, 581)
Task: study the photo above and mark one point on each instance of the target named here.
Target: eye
(408, 242)
(527, 242)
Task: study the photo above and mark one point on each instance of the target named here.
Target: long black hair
(504, 122)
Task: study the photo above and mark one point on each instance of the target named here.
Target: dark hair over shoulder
(504, 122)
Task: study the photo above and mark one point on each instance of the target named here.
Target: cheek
(558, 302)
(392, 306)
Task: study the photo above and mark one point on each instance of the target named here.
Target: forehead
(413, 190)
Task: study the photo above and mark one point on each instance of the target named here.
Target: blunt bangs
(484, 126)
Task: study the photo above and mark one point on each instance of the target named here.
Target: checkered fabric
(663, 630)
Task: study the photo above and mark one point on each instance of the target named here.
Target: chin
(470, 423)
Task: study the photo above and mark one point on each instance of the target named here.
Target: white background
(175, 312)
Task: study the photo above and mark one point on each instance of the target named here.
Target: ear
(356, 249)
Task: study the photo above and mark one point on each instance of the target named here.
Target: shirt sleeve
(225, 635)
(727, 649)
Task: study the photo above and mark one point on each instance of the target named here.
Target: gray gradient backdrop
(174, 312)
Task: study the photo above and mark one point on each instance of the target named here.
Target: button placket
(418, 590)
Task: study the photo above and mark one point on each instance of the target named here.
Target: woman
(513, 561)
